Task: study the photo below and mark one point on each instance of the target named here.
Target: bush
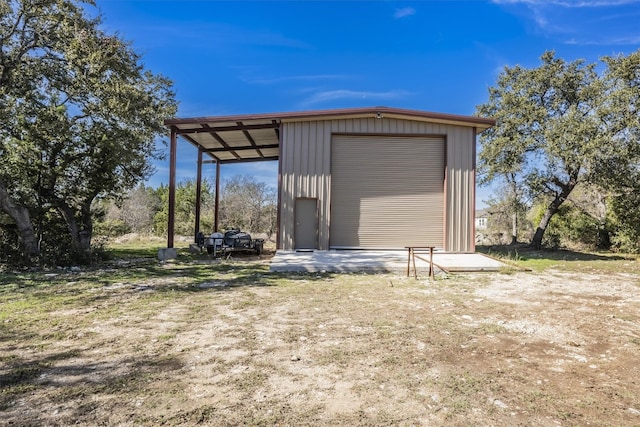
(10, 251)
(626, 240)
(572, 228)
(111, 228)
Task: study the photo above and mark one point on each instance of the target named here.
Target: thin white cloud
(573, 21)
(311, 77)
(569, 3)
(404, 12)
(547, 25)
(606, 41)
(342, 94)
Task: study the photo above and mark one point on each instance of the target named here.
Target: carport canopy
(224, 139)
(256, 137)
(231, 139)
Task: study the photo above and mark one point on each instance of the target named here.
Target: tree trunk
(21, 216)
(604, 237)
(87, 227)
(80, 233)
(552, 209)
(514, 228)
(70, 219)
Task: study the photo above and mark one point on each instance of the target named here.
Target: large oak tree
(562, 124)
(79, 116)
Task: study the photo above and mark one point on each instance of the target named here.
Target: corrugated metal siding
(460, 189)
(306, 172)
(386, 192)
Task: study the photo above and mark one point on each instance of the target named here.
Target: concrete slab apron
(376, 261)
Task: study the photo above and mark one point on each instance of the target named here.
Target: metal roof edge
(292, 116)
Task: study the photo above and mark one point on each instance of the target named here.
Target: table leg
(432, 271)
(413, 258)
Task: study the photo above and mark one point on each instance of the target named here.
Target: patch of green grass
(143, 247)
(52, 306)
(562, 259)
(166, 337)
(507, 270)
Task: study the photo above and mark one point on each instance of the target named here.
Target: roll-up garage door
(386, 192)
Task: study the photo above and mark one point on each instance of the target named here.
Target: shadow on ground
(66, 378)
(524, 252)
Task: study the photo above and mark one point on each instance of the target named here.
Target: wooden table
(411, 258)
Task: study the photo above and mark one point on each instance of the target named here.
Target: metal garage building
(361, 178)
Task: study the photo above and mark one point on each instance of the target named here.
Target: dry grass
(199, 342)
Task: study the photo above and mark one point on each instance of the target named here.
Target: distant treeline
(245, 203)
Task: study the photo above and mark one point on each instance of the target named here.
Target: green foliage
(56, 247)
(540, 114)
(111, 228)
(248, 204)
(245, 203)
(10, 251)
(569, 228)
(560, 125)
(620, 174)
(626, 240)
(80, 116)
(184, 208)
(626, 216)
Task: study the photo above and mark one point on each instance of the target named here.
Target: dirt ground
(228, 345)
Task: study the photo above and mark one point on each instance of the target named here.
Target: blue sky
(264, 56)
